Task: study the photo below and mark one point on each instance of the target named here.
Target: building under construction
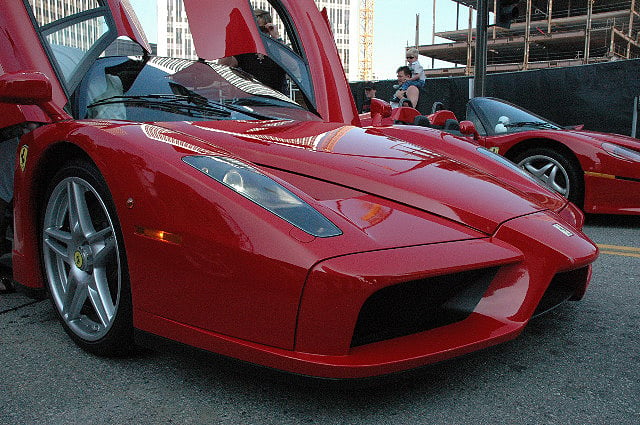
(546, 33)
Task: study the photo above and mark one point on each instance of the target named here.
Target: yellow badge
(77, 258)
(494, 149)
(23, 156)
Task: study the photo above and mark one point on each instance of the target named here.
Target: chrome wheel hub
(548, 171)
(83, 259)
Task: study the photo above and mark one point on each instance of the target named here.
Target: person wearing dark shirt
(405, 96)
(369, 93)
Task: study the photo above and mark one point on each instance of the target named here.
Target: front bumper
(521, 260)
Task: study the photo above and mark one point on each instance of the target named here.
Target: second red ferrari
(599, 172)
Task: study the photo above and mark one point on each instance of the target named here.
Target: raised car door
(127, 23)
(307, 53)
(60, 40)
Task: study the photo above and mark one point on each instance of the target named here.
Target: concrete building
(547, 33)
(80, 36)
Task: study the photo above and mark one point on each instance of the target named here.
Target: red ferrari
(599, 172)
(172, 199)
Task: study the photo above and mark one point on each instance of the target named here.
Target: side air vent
(420, 305)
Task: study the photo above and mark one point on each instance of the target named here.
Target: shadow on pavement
(609, 220)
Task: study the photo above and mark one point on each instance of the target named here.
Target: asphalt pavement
(579, 364)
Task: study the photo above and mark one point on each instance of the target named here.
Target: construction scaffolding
(547, 33)
(366, 39)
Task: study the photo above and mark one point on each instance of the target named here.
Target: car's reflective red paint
(612, 185)
(392, 169)
(242, 282)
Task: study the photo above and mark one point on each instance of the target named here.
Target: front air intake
(419, 305)
(562, 288)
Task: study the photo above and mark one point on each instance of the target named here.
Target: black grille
(420, 305)
(561, 289)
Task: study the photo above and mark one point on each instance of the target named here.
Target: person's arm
(416, 71)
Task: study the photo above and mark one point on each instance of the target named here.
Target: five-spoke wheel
(84, 260)
(554, 170)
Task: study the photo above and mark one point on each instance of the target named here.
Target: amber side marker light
(159, 235)
(601, 175)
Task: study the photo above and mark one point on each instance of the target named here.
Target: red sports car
(183, 200)
(599, 172)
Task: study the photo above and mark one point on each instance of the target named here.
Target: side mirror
(25, 88)
(468, 129)
(30, 88)
(379, 110)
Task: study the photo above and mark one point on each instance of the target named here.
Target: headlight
(265, 192)
(621, 152)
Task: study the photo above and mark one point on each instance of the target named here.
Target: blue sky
(394, 25)
(395, 28)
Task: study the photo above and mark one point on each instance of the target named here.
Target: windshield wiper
(169, 103)
(196, 100)
(531, 124)
(191, 102)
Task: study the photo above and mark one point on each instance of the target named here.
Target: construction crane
(365, 51)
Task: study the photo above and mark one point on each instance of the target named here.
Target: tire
(84, 261)
(555, 170)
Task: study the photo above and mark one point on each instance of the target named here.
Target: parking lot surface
(579, 364)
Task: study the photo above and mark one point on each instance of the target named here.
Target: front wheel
(555, 170)
(84, 261)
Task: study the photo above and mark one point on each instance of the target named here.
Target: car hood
(370, 162)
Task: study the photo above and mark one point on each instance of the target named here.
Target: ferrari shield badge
(77, 258)
(24, 150)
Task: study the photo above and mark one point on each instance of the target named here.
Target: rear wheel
(555, 170)
(84, 261)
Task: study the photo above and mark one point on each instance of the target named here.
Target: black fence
(600, 96)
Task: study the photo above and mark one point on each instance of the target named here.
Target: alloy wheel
(549, 171)
(81, 258)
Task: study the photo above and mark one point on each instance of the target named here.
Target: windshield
(499, 117)
(167, 89)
